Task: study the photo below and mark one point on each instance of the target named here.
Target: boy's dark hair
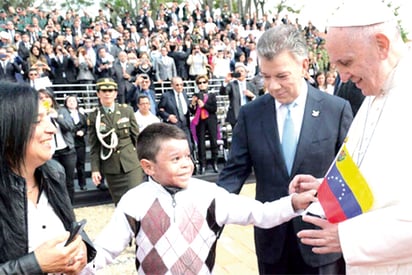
(140, 97)
(152, 137)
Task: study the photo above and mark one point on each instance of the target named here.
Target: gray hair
(282, 38)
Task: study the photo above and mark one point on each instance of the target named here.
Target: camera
(198, 95)
(235, 74)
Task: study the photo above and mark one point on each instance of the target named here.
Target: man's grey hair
(282, 38)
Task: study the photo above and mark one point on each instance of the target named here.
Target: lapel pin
(315, 113)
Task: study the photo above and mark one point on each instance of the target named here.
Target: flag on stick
(344, 192)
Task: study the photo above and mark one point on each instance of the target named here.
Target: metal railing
(86, 93)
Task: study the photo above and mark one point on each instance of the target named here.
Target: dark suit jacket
(66, 67)
(123, 85)
(23, 51)
(232, 90)
(9, 73)
(256, 144)
(168, 106)
(180, 58)
(80, 141)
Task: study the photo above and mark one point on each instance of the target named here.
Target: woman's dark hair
(51, 95)
(37, 47)
(19, 105)
(67, 98)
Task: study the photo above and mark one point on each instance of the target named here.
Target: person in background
(65, 152)
(204, 106)
(80, 131)
(113, 132)
(144, 116)
(320, 81)
(180, 51)
(35, 209)
(104, 63)
(292, 129)
(239, 90)
(145, 66)
(172, 205)
(85, 67)
(165, 66)
(330, 82)
(142, 87)
(64, 68)
(35, 55)
(221, 65)
(174, 108)
(122, 73)
(351, 93)
(8, 68)
(32, 76)
(197, 62)
(368, 50)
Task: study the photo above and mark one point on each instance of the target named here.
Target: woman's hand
(54, 257)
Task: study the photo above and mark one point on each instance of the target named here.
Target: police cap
(106, 84)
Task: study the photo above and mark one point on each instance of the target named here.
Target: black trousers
(208, 125)
(67, 158)
(292, 262)
(80, 165)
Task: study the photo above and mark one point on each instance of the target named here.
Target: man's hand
(324, 240)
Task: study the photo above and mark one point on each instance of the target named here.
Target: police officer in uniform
(113, 132)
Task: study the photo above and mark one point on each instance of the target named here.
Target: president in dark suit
(294, 129)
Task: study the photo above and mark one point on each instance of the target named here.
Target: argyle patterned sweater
(176, 231)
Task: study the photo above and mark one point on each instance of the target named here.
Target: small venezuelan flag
(344, 192)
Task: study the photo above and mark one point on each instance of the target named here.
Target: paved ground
(235, 249)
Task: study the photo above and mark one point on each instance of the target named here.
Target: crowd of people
(176, 40)
(138, 53)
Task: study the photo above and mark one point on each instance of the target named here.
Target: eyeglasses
(201, 82)
(108, 90)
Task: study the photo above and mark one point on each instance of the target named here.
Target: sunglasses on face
(108, 90)
(201, 82)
